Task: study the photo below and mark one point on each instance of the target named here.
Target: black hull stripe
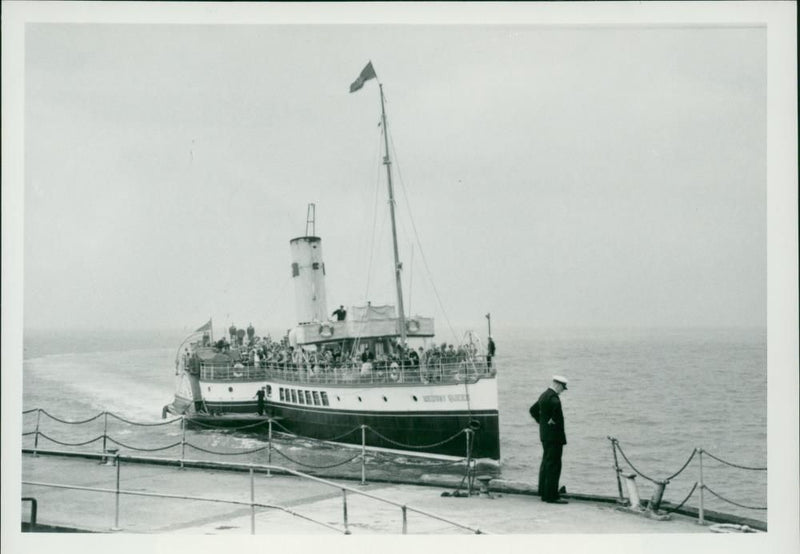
(402, 430)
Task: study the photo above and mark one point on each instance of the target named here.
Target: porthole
(338, 399)
(414, 397)
(209, 389)
(230, 389)
(384, 399)
(359, 399)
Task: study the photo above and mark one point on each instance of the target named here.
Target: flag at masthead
(366, 74)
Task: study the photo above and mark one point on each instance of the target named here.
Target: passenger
(260, 395)
(490, 350)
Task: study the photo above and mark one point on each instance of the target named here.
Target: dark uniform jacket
(547, 413)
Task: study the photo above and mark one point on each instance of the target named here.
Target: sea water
(660, 392)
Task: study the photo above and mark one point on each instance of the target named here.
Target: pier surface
(94, 511)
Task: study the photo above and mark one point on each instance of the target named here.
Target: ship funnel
(308, 274)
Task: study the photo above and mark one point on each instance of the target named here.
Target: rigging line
(375, 188)
(419, 244)
(427, 269)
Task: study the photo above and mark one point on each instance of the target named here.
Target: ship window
(230, 389)
(269, 391)
(294, 395)
(295, 270)
(300, 397)
(308, 398)
(282, 393)
(315, 265)
(324, 398)
(316, 398)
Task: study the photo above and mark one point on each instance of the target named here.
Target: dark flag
(366, 74)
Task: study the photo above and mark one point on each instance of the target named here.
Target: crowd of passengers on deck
(245, 349)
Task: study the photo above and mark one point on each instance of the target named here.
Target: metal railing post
(269, 447)
(344, 510)
(252, 501)
(183, 438)
(105, 430)
(117, 494)
(616, 467)
(405, 520)
(469, 462)
(36, 437)
(700, 513)
(363, 454)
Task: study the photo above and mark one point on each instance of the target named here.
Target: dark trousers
(550, 470)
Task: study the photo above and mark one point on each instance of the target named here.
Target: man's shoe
(557, 501)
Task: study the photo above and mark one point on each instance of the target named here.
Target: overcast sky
(556, 176)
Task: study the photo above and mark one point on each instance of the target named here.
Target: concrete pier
(297, 505)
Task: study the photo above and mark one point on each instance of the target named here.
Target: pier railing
(117, 460)
(356, 374)
(652, 507)
(110, 443)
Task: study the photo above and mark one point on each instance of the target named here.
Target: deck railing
(379, 373)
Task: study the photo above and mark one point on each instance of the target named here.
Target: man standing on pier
(548, 414)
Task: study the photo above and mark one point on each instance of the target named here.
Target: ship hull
(430, 419)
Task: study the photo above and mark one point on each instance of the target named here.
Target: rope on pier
(139, 424)
(51, 416)
(688, 496)
(633, 467)
(29, 433)
(141, 449)
(337, 464)
(420, 446)
(691, 456)
(706, 487)
(615, 442)
(70, 443)
(30, 411)
(240, 453)
(734, 465)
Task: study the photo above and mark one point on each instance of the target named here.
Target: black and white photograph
(314, 270)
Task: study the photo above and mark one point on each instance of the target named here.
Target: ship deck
(299, 505)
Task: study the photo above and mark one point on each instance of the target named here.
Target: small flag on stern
(366, 74)
(206, 327)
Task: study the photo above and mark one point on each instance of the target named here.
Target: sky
(573, 176)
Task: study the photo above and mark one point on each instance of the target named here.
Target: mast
(397, 265)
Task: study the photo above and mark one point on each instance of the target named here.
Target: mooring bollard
(658, 494)
(633, 490)
(363, 454)
(701, 515)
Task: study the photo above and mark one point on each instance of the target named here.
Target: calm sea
(661, 392)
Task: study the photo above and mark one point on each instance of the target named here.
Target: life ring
(326, 330)
(412, 325)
